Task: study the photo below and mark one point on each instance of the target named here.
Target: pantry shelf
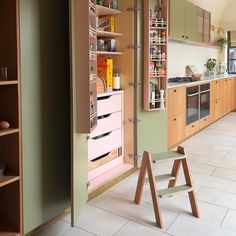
(108, 34)
(8, 82)
(105, 11)
(108, 53)
(5, 180)
(8, 132)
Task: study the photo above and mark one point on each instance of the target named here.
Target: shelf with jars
(155, 54)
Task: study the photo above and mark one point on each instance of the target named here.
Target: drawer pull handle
(104, 116)
(193, 126)
(175, 91)
(205, 119)
(175, 119)
(104, 98)
(101, 136)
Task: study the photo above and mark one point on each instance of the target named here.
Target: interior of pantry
(155, 54)
(10, 130)
(111, 141)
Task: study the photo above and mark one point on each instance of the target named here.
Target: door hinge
(134, 156)
(134, 8)
(135, 47)
(135, 120)
(135, 85)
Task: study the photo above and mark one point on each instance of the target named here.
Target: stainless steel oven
(192, 104)
(198, 103)
(204, 100)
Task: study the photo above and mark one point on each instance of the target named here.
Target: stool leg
(175, 173)
(192, 195)
(153, 188)
(140, 184)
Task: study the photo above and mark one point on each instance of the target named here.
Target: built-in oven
(192, 111)
(204, 100)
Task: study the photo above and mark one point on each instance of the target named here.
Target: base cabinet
(176, 129)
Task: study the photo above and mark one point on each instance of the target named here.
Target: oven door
(192, 104)
(205, 101)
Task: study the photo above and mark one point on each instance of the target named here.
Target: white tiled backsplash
(180, 55)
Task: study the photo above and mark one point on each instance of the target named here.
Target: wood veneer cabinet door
(215, 90)
(233, 94)
(192, 128)
(176, 101)
(176, 129)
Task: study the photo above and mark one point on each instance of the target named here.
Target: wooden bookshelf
(108, 53)
(10, 139)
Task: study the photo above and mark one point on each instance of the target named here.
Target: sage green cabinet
(177, 19)
(189, 22)
(191, 13)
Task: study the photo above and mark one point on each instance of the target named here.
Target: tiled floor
(212, 158)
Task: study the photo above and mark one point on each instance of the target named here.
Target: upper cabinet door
(207, 26)
(200, 25)
(191, 21)
(177, 19)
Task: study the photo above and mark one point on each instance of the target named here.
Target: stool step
(162, 178)
(167, 156)
(171, 191)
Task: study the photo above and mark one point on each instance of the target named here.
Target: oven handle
(206, 91)
(191, 95)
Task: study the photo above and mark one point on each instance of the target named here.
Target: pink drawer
(101, 145)
(107, 123)
(109, 104)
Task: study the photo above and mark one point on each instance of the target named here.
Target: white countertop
(204, 79)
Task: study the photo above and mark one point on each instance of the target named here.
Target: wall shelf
(5, 180)
(8, 132)
(107, 34)
(105, 11)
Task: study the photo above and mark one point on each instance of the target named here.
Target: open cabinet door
(151, 130)
(79, 152)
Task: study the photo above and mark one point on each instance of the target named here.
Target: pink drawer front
(101, 145)
(109, 104)
(108, 123)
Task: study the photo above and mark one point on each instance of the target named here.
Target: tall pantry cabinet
(121, 113)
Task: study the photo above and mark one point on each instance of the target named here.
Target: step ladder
(178, 157)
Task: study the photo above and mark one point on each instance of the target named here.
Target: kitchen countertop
(204, 79)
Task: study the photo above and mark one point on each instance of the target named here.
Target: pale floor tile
(230, 220)
(190, 226)
(208, 212)
(102, 198)
(215, 183)
(217, 197)
(100, 222)
(225, 173)
(57, 229)
(133, 228)
(77, 232)
(143, 213)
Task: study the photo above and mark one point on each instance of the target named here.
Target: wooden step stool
(178, 157)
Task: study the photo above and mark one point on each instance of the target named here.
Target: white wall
(180, 55)
(228, 20)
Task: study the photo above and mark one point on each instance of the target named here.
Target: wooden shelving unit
(105, 34)
(10, 139)
(155, 54)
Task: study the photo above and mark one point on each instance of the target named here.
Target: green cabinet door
(191, 25)
(177, 19)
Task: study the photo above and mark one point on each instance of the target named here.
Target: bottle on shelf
(116, 82)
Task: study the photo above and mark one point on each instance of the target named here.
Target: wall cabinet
(189, 22)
